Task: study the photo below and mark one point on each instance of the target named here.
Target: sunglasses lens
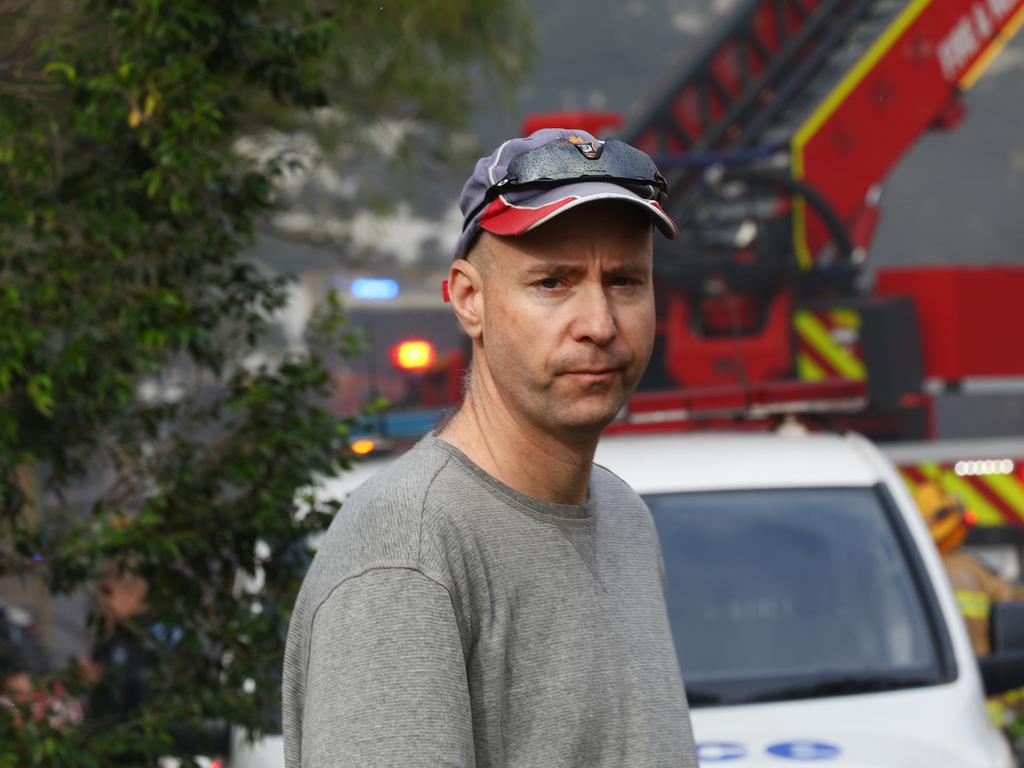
(562, 161)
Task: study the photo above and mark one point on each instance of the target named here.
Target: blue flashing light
(374, 288)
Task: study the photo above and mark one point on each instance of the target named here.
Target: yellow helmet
(944, 514)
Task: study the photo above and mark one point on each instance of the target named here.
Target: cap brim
(518, 214)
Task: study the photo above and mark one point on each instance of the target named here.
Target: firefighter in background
(977, 587)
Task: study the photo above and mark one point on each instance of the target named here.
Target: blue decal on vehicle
(720, 751)
(804, 750)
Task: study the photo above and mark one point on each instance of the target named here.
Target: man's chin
(585, 419)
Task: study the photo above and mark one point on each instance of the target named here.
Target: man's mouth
(593, 375)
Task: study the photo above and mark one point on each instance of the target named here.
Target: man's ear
(466, 289)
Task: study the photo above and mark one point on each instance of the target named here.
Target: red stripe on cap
(668, 219)
(503, 219)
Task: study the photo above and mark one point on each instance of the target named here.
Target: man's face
(568, 315)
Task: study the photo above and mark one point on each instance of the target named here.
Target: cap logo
(589, 148)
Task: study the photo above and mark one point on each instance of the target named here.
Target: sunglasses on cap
(564, 161)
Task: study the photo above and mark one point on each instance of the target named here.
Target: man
(493, 598)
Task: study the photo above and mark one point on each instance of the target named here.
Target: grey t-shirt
(449, 621)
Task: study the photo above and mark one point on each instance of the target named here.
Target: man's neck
(532, 462)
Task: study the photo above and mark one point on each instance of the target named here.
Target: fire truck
(776, 137)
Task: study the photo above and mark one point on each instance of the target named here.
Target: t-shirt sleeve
(386, 679)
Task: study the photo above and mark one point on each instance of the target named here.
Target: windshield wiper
(839, 686)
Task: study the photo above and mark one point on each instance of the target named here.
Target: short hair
(479, 253)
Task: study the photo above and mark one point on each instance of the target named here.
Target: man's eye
(550, 283)
(624, 281)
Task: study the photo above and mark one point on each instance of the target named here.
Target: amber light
(363, 446)
(413, 355)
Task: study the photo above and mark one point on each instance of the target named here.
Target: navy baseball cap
(527, 182)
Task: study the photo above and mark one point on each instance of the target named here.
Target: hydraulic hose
(813, 197)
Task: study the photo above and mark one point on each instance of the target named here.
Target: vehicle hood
(938, 725)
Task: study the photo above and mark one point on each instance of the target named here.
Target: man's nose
(594, 320)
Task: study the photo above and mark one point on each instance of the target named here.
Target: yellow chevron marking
(987, 514)
(808, 370)
(1010, 28)
(1007, 488)
(812, 330)
(827, 107)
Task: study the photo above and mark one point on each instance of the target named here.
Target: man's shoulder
(609, 486)
(399, 487)
(379, 524)
(616, 501)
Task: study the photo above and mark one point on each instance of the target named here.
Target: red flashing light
(413, 355)
(971, 517)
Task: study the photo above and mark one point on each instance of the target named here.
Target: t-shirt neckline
(549, 510)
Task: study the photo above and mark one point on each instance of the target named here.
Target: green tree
(129, 318)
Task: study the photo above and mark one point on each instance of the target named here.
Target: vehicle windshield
(791, 593)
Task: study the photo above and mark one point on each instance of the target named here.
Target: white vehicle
(812, 616)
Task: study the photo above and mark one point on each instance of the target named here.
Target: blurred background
(950, 199)
(225, 231)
